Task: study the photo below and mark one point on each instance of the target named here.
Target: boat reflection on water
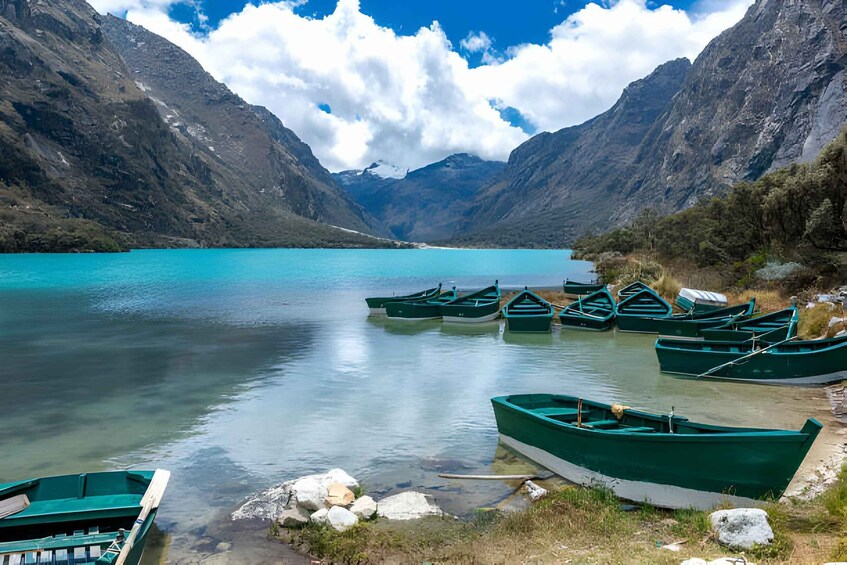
(404, 327)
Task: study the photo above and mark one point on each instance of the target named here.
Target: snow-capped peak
(386, 170)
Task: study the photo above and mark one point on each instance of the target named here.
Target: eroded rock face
(339, 495)
(742, 528)
(407, 506)
(293, 517)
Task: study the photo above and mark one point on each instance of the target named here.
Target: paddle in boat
(419, 310)
(769, 328)
(377, 304)
(574, 289)
(480, 306)
(790, 362)
(89, 518)
(696, 301)
(593, 312)
(664, 460)
(637, 312)
(631, 289)
(690, 325)
(528, 312)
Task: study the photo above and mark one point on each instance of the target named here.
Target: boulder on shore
(293, 517)
(339, 495)
(742, 528)
(407, 506)
(340, 518)
(319, 517)
(365, 508)
(270, 503)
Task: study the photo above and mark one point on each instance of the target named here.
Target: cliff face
(428, 204)
(556, 185)
(85, 152)
(770, 91)
(767, 92)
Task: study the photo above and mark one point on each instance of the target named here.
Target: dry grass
(577, 525)
(667, 286)
(766, 300)
(814, 322)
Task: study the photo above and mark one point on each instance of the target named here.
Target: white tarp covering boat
(691, 298)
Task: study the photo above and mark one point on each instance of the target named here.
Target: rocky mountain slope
(769, 91)
(89, 164)
(428, 204)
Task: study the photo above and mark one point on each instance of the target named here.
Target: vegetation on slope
(795, 214)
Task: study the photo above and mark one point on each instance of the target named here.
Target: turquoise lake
(239, 369)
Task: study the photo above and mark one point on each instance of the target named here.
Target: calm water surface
(238, 369)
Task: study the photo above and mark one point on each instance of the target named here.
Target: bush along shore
(329, 517)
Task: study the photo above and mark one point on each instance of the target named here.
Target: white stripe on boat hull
(399, 319)
(377, 312)
(665, 496)
(464, 320)
(812, 380)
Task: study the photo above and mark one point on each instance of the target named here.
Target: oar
(150, 501)
(497, 477)
(735, 361)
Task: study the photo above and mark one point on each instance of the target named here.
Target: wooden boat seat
(67, 509)
(60, 545)
(601, 424)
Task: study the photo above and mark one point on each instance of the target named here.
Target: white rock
(293, 517)
(309, 493)
(407, 506)
(268, 504)
(742, 528)
(534, 491)
(319, 517)
(835, 321)
(340, 518)
(365, 507)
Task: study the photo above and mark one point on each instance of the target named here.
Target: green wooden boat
(528, 312)
(419, 310)
(574, 289)
(664, 460)
(813, 362)
(637, 312)
(692, 300)
(377, 304)
(631, 289)
(90, 518)
(690, 325)
(480, 306)
(768, 328)
(593, 312)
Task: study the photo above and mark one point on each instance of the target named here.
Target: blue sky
(368, 80)
(506, 22)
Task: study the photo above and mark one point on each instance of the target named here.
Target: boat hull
(468, 314)
(529, 324)
(590, 324)
(685, 469)
(786, 364)
(376, 305)
(577, 290)
(460, 319)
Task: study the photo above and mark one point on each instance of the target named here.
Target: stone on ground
(364, 508)
(534, 491)
(340, 518)
(309, 493)
(407, 506)
(339, 495)
(742, 528)
(293, 517)
(319, 517)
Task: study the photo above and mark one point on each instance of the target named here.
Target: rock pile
(328, 499)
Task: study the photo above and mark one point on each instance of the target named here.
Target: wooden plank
(13, 505)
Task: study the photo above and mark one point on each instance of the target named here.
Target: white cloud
(412, 99)
(476, 42)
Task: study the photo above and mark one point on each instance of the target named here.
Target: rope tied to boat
(618, 409)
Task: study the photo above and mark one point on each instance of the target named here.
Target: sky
(410, 82)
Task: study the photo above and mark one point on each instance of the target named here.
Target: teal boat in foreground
(377, 304)
(480, 306)
(812, 362)
(664, 460)
(574, 289)
(528, 312)
(769, 328)
(594, 312)
(419, 310)
(638, 312)
(89, 518)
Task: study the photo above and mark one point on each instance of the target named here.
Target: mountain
(89, 163)
(428, 204)
(770, 91)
